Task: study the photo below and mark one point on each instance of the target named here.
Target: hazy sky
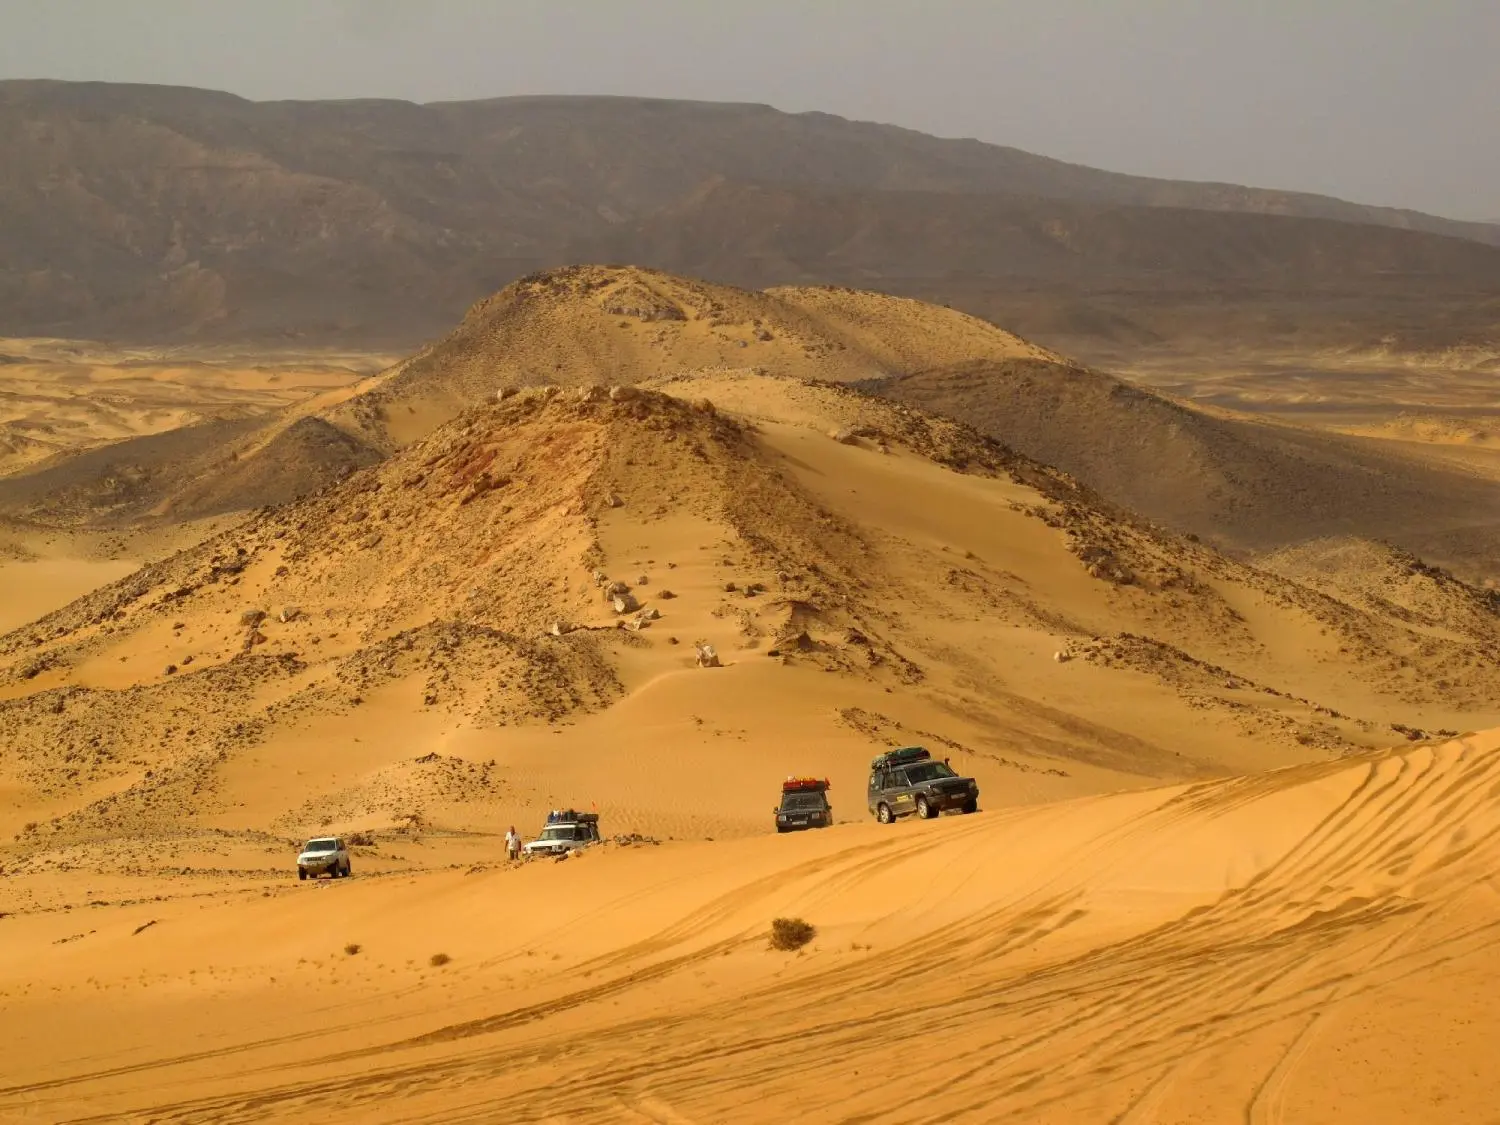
(1379, 101)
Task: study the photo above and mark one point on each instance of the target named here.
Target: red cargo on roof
(798, 784)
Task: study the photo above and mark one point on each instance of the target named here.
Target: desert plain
(1234, 860)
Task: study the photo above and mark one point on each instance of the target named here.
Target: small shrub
(791, 933)
(352, 948)
(438, 960)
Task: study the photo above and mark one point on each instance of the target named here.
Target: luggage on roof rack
(805, 785)
(900, 757)
(571, 816)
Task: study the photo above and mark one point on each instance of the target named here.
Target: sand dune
(1201, 885)
(58, 397)
(1310, 945)
(598, 324)
(909, 580)
(1246, 483)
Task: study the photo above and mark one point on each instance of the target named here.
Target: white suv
(566, 835)
(327, 855)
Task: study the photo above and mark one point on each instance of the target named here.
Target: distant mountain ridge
(153, 212)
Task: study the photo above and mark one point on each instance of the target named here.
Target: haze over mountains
(160, 213)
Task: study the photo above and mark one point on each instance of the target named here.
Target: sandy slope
(622, 324)
(429, 657)
(60, 397)
(861, 592)
(1244, 483)
(1311, 945)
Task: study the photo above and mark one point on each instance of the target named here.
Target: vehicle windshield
(560, 832)
(321, 846)
(800, 801)
(928, 771)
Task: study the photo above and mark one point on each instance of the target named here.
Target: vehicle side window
(897, 780)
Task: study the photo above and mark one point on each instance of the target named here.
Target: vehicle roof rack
(900, 756)
(805, 785)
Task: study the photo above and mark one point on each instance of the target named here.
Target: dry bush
(438, 960)
(352, 948)
(791, 933)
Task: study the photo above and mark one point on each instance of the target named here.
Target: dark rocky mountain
(160, 213)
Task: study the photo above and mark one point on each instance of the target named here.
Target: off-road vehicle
(565, 832)
(327, 855)
(804, 804)
(907, 781)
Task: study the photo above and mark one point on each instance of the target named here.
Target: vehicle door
(899, 794)
(877, 788)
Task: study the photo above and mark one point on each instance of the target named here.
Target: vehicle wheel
(971, 807)
(924, 810)
(780, 828)
(883, 813)
(348, 871)
(302, 873)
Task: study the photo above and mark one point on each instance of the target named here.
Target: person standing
(513, 843)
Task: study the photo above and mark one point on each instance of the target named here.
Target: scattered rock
(623, 603)
(666, 595)
(614, 501)
(252, 617)
(707, 656)
(171, 670)
(290, 613)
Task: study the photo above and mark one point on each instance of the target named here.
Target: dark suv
(804, 804)
(908, 781)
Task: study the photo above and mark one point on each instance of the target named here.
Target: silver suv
(327, 855)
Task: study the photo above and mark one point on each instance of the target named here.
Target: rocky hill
(796, 568)
(1244, 483)
(623, 324)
